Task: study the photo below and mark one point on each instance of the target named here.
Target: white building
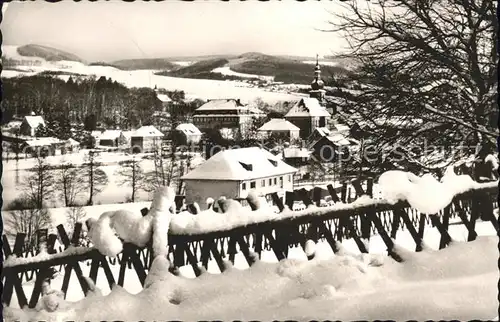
(146, 139)
(279, 128)
(189, 133)
(232, 173)
(30, 124)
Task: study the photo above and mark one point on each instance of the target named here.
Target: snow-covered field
(201, 88)
(183, 63)
(227, 71)
(457, 283)
(114, 192)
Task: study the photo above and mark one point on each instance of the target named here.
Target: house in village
(329, 147)
(109, 138)
(234, 172)
(296, 156)
(146, 139)
(226, 113)
(43, 147)
(279, 129)
(187, 133)
(71, 146)
(166, 102)
(30, 124)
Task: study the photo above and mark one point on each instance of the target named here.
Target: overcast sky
(107, 31)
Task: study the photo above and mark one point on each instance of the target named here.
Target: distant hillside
(282, 69)
(47, 53)
(197, 68)
(147, 63)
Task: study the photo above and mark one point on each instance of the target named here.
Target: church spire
(317, 84)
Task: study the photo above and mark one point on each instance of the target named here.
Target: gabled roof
(110, 135)
(188, 129)
(227, 104)
(279, 125)
(147, 131)
(34, 121)
(240, 164)
(164, 98)
(308, 107)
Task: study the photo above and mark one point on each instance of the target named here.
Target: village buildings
(279, 129)
(233, 173)
(226, 113)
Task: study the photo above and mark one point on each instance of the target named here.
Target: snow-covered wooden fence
(358, 222)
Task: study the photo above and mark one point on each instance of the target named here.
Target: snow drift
(426, 286)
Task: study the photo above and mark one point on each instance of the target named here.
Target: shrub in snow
(253, 200)
(132, 227)
(426, 193)
(229, 205)
(310, 249)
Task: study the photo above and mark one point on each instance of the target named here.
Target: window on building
(270, 182)
(281, 182)
(244, 186)
(289, 178)
(263, 183)
(275, 181)
(252, 185)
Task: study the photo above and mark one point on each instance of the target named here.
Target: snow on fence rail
(358, 221)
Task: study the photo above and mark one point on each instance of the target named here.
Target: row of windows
(267, 182)
(217, 119)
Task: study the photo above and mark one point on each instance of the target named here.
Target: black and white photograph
(250, 160)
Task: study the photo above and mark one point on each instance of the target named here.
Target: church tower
(317, 84)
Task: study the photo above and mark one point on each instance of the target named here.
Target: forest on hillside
(89, 101)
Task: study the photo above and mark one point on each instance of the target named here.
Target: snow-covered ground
(227, 71)
(457, 283)
(114, 192)
(183, 63)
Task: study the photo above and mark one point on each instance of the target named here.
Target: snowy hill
(35, 52)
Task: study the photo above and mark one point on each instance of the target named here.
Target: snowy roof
(147, 131)
(341, 128)
(338, 139)
(307, 106)
(110, 135)
(240, 164)
(43, 141)
(188, 129)
(279, 125)
(72, 142)
(323, 131)
(296, 153)
(228, 104)
(164, 98)
(34, 121)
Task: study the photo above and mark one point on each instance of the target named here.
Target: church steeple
(317, 84)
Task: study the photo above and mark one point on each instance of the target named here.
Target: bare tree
(39, 184)
(427, 72)
(70, 182)
(97, 178)
(26, 217)
(132, 173)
